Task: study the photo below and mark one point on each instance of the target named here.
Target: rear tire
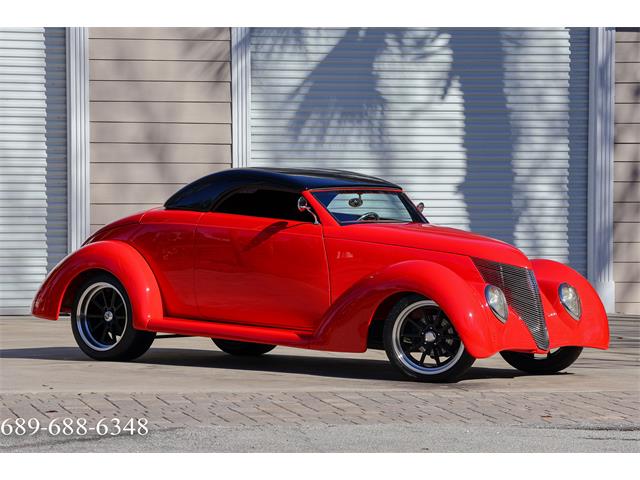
(246, 349)
(551, 363)
(102, 321)
(422, 343)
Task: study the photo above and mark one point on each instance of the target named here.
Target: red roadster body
(324, 260)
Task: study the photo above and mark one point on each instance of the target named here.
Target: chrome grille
(521, 290)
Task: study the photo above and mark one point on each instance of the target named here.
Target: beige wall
(160, 114)
(626, 236)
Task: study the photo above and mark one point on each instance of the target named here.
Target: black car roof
(302, 178)
(204, 192)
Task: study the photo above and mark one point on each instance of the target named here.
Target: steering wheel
(369, 216)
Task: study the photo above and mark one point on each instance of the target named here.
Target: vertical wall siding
(160, 114)
(56, 135)
(487, 126)
(626, 207)
(33, 210)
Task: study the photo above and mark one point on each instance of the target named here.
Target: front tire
(553, 362)
(422, 343)
(102, 321)
(245, 349)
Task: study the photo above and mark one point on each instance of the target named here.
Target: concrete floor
(39, 360)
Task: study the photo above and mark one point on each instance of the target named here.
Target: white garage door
(33, 164)
(487, 126)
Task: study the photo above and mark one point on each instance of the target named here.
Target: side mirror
(303, 206)
(420, 207)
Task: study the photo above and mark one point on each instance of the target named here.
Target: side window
(264, 203)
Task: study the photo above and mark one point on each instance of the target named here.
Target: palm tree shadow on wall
(359, 109)
(356, 108)
(489, 138)
(485, 103)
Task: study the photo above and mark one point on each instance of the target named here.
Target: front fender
(345, 326)
(592, 330)
(113, 256)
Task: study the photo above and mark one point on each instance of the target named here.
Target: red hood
(432, 237)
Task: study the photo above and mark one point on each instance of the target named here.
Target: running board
(230, 331)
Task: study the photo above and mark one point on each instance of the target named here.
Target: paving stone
(331, 408)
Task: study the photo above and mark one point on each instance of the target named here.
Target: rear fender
(346, 324)
(115, 257)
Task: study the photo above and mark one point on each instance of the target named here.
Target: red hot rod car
(319, 259)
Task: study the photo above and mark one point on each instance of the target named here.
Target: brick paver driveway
(196, 398)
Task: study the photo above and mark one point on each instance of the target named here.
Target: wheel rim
(424, 339)
(101, 316)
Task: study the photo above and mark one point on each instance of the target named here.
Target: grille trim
(521, 290)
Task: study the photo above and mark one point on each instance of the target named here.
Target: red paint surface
(112, 256)
(313, 286)
(261, 271)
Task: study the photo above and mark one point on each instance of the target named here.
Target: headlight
(497, 301)
(570, 300)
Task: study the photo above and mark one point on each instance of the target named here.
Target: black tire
(102, 342)
(245, 349)
(434, 324)
(552, 363)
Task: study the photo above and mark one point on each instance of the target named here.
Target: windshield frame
(416, 215)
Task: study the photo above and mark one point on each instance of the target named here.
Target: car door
(259, 261)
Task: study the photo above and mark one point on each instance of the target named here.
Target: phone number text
(74, 426)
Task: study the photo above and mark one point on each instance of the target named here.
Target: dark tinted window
(264, 203)
(199, 195)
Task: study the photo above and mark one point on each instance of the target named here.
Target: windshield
(369, 206)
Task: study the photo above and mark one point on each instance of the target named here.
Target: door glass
(264, 203)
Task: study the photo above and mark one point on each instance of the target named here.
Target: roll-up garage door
(488, 127)
(33, 164)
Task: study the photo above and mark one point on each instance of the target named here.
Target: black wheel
(102, 323)
(553, 362)
(422, 343)
(246, 349)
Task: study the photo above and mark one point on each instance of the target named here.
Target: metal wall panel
(33, 161)
(487, 126)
